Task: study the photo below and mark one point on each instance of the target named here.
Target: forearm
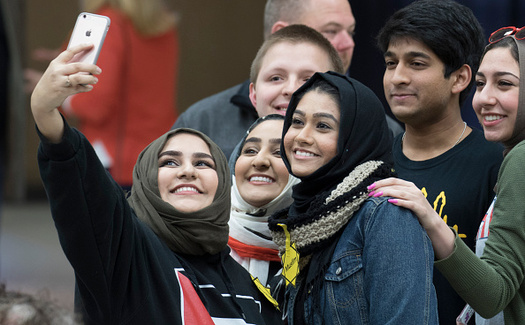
(89, 210)
(442, 238)
(476, 280)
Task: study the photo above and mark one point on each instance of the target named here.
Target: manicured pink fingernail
(371, 193)
(378, 194)
(392, 201)
(371, 186)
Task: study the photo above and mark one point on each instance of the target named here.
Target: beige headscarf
(518, 134)
(195, 233)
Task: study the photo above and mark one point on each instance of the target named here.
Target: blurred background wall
(218, 40)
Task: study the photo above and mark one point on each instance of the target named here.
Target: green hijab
(195, 233)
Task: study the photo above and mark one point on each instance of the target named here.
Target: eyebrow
(277, 68)
(258, 140)
(253, 139)
(176, 153)
(318, 115)
(499, 74)
(412, 54)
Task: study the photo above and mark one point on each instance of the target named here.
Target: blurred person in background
(225, 116)
(135, 99)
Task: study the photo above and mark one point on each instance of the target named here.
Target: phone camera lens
(84, 16)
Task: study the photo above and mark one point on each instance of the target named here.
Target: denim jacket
(380, 272)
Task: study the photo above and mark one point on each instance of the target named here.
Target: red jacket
(134, 101)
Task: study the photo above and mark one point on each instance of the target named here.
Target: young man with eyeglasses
(432, 51)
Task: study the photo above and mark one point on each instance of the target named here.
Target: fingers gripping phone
(89, 29)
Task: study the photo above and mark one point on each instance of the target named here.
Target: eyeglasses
(519, 33)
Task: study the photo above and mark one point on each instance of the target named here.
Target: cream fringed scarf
(196, 233)
(328, 215)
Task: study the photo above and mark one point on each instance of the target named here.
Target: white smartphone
(89, 29)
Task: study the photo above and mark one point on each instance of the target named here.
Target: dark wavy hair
(448, 28)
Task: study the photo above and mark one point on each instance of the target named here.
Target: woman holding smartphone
(159, 256)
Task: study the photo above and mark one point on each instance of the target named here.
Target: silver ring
(68, 82)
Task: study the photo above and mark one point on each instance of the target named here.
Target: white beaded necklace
(461, 136)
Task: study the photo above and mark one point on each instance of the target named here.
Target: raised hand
(61, 79)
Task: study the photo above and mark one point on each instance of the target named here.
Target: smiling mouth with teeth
(186, 189)
(261, 179)
(491, 118)
(304, 154)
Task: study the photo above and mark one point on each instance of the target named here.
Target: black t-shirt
(459, 184)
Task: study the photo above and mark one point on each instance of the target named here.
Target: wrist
(442, 238)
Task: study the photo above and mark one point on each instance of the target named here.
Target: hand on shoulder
(407, 195)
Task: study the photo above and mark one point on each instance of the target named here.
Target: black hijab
(363, 136)
(326, 200)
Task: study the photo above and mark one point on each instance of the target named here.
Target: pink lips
(281, 108)
(401, 97)
(492, 119)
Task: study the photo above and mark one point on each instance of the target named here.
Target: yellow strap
(265, 291)
(290, 259)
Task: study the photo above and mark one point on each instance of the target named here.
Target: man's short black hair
(448, 28)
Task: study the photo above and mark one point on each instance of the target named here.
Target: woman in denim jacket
(348, 258)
